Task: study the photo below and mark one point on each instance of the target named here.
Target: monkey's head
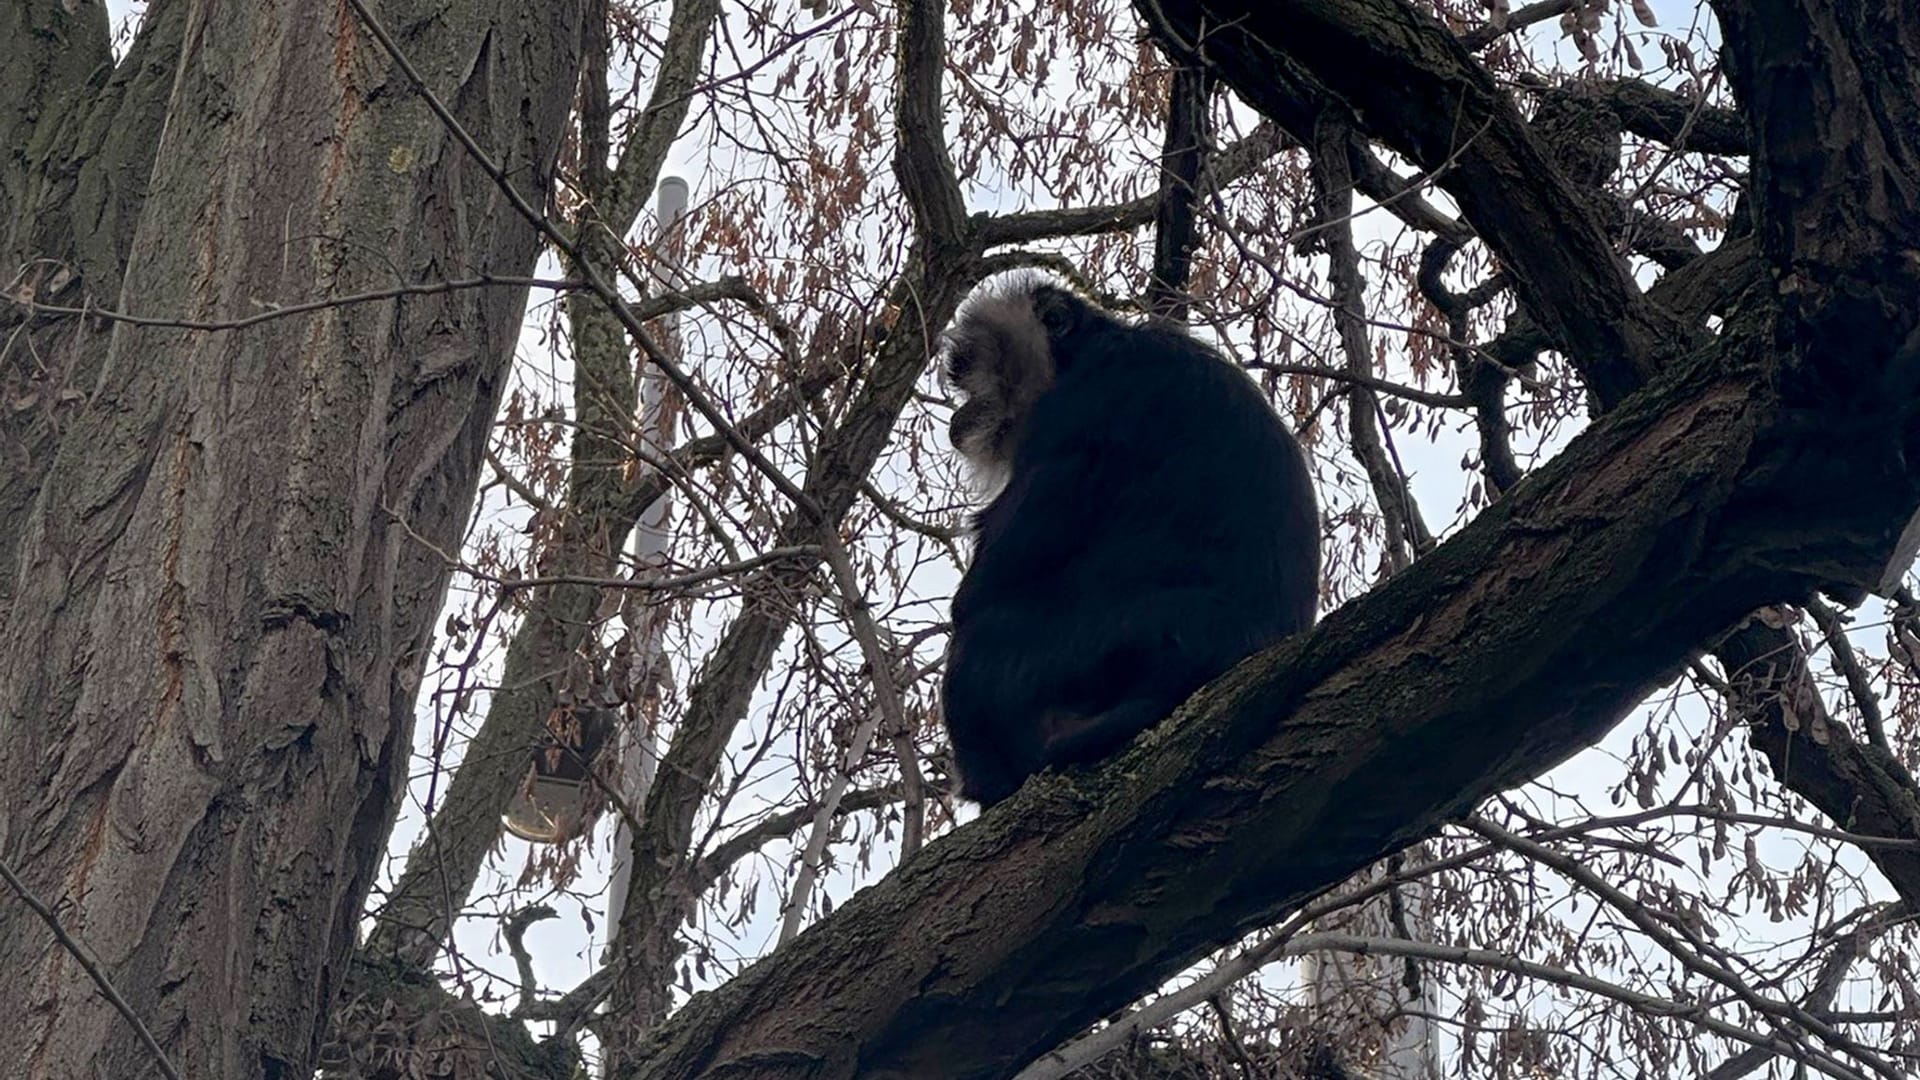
(1003, 351)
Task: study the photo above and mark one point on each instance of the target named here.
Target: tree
(195, 811)
(221, 577)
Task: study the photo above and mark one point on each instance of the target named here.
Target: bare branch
(1371, 382)
(1482, 377)
(886, 709)
(279, 311)
(1406, 536)
(1819, 995)
(675, 78)
(513, 927)
(677, 583)
(779, 826)
(88, 963)
(1489, 32)
(1861, 687)
(1691, 953)
(1182, 158)
(1233, 162)
(1061, 1063)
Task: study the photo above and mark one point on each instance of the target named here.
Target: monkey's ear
(1059, 311)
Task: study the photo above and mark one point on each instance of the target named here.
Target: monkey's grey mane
(1009, 365)
(998, 315)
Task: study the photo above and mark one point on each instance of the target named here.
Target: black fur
(1154, 524)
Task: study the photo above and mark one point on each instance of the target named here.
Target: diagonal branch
(1406, 535)
(939, 267)
(1230, 163)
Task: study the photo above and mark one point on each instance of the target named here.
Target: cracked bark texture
(214, 559)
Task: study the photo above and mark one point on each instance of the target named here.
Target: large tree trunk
(221, 548)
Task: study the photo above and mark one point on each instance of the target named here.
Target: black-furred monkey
(1151, 524)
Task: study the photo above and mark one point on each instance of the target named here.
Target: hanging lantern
(550, 804)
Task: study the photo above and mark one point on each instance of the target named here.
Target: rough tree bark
(221, 549)
(1756, 465)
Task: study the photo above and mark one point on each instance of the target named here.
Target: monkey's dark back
(1158, 526)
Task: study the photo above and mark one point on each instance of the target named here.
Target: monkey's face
(998, 360)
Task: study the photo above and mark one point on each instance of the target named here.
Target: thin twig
(777, 826)
(427, 288)
(886, 708)
(1092, 1047)
(1690, 953)
(79, 951)
(1361, 379)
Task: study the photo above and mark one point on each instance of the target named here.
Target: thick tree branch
(1836, 140)
(633, 177)
(72, 190)
(252, 769)
(1811, 184)
(1183, 156)
(920, 159)
(1681, 122)
(1415, 87)
(1836, 152)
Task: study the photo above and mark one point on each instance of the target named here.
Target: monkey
(1148, 523)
